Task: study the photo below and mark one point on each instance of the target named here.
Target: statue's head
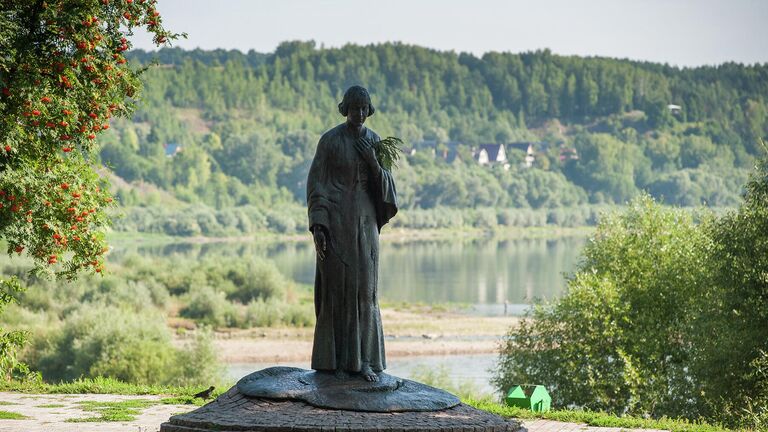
(356, 96)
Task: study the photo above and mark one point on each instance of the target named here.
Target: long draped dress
(352, 203)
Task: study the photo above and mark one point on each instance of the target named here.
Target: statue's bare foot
(369, 374)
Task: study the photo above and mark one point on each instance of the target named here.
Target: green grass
(593, 418)
(53, 405)
(97, 385)
(185, 400)
(8, 415)
(7, 403)
(113, 411)
(127, 410)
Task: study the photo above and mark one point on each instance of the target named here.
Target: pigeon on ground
(205, 394)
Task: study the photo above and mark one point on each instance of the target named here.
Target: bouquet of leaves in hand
(388, 152)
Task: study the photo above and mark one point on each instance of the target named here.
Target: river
(488, 276)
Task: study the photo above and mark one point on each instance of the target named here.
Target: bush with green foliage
(115, 325)
(730, 332)
(98, 340)
(617, 330)
(663, 317)
(257, 279)
(11, 341)
(209, 306)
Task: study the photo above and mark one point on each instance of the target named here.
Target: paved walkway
(555, 426)
(49, 413)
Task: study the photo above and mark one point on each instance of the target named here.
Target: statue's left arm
(381, 183)
(384, 190)
(386, 197)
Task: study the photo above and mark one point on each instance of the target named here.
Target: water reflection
(460, 369)
(478, 272)
(481, 272)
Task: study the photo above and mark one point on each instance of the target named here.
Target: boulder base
(325, 390)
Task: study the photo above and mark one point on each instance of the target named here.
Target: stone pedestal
(284, 399)
(234, 411)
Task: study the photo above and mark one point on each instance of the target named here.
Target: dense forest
(225, 129)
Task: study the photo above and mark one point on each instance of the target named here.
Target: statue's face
(357, 113)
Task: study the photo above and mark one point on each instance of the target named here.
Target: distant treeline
(246, 125)
(200, 220)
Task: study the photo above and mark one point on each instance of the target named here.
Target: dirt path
(49, 413)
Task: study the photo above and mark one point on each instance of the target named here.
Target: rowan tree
(63, 75)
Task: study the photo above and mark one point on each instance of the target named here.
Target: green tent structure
(533, 397)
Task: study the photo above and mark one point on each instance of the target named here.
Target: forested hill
(248, 124)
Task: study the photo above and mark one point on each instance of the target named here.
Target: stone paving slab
(541, 425)
(53, 419)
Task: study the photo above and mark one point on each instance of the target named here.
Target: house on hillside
(529, 149)
(488, 154)
(172, 149)
(676, 110)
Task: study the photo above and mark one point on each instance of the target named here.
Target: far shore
(394, 235)
(407, 333)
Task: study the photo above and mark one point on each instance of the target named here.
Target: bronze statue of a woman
(349, 198)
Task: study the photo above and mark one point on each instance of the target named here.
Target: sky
(678, 32)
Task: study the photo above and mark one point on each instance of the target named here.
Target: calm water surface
(460, 369)
(481, 273)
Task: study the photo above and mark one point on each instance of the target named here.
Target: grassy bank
(122, 411)
(592, 418)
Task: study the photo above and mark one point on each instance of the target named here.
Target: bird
(205, 394)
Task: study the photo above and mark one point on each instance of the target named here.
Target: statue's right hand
(321, 242)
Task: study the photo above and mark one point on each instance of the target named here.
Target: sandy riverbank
(407, 333)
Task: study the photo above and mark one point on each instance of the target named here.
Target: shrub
(664, 316)
(259, 279)
(228, 220)
(197, 362)
(182, 225)
(299, 315)
(207, 222)
(730, 333)
(210, 307)
(99, 340)
(259, 313)
(11, 341)
(613, 342)
(106, 340)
